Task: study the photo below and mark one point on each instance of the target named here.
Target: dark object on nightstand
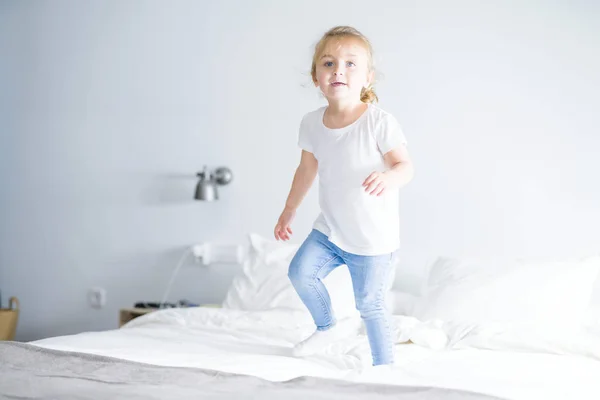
(151, 304)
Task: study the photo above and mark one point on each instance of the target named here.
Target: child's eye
(328, 64)
(350, 64)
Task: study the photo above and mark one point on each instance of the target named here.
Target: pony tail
(367, 95)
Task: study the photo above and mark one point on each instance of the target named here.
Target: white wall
(108, 109)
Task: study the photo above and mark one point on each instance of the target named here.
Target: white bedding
(259, 343)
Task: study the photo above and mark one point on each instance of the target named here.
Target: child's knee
(297, 275)
(370, 306)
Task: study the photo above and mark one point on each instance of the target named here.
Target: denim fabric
(315, 259)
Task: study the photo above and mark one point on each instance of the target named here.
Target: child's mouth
(338, 84)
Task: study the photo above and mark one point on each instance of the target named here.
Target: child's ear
(370, 78)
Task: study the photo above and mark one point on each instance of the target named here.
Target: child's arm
(303, 180)
(400, 172)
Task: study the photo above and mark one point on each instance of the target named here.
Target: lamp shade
(206, 190)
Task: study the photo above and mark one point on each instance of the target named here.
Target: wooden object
(8, 319)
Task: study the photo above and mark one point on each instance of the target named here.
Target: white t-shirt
(354, 220)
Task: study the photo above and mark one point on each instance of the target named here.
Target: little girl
(359, 152)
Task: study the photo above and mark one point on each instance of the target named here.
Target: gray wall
(109, 108)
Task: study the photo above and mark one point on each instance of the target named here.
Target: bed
(454, 342)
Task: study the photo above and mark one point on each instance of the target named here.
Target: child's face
(342, 69)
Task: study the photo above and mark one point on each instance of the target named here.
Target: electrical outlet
(97, 297)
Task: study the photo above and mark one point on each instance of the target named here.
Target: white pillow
(592, 320)
(593, 312)
(263, 283)
(446, 269)
(582, 343)
(533, 294)
(401, 302)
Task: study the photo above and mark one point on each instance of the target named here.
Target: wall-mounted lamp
(206, 189)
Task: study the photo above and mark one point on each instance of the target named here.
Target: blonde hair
(367, 95)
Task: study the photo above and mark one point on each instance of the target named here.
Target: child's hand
(376, 183)
(282, 229)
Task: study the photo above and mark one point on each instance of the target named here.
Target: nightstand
(127, 314)
(8, 319)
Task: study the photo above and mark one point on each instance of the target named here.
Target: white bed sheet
(259, 344)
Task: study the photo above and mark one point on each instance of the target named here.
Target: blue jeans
(315, 259)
